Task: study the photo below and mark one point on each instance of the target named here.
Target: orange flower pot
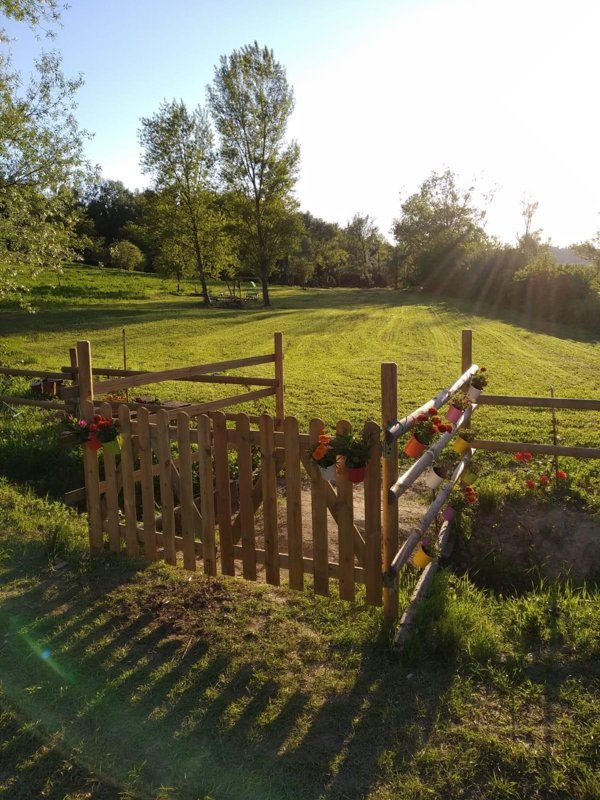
(414, 448)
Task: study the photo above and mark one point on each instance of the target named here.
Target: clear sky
(501, 91)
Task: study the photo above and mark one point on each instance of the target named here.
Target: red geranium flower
(544, 479)
(562, 475)
(471, 498)
(432, 411)
(527, 456)
(436, 420)
(93, 426)
(422, 417)
(519, 456)
(530, 484)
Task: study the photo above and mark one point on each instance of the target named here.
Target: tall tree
(178, 153)
(111, 206)
(41, 161)
(438, 227)
(251, 103)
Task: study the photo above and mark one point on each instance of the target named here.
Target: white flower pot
(432, 479)
(328, 473)
(473, 394)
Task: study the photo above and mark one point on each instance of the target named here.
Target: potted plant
(107, 434)
(425, 552)
(459, 500)
(457, 406)
(441, 470)
(79, 428)
(462, 443)
(477, 384)
(324, 455)
(356, 451)
(428, 425)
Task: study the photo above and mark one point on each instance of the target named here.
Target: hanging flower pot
(448, 514)
(328, 473)
(468, 477)
(94, 443)
(414, 448)
(420, 558)
(113, 447)
(356, 474)
(473, 394)
(454, 413)
(462, 443)
(433, 478)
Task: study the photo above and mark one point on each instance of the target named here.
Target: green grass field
(119, 680)
(334, 343)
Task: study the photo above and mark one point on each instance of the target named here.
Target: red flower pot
(356, 474)
(94, 444)
(414, 448)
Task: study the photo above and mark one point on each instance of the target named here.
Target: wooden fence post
(466, 349)
(319, 517)
(293, 501)
(90, 457)
(111, 493)
(127, 470)
(373, 583)
(269, 487)
(72, 403)
(147, 483)
(279, 388)
(389, 413)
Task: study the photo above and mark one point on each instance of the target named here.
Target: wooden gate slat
(223, 492)
(293, 501)
(319, 517)
(128, 482)
(246, 512)
(111, 494)
(166, 487)
(147, 483)
(372, 563)
(186, 492)
(207, 496)
(345, 524)
(269, 482)
(332, 501)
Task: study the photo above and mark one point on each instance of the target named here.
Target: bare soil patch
(523, 543)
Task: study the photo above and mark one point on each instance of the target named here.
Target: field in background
(334, 343)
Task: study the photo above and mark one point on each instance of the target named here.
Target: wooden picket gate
(177, 489)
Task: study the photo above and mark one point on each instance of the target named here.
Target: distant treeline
(440, 246)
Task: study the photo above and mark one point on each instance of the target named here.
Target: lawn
(120, 680)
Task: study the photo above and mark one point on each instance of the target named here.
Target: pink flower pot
(448, 514)
(453, 414)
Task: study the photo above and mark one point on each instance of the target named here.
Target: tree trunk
(205, 293)
(265, 291)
